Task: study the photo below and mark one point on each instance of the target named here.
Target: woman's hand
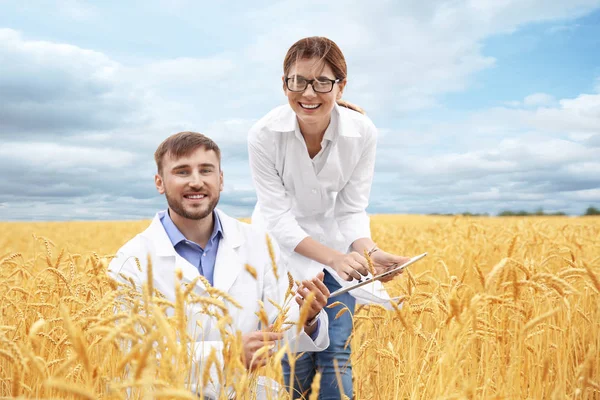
(383, 261)
(350, 266)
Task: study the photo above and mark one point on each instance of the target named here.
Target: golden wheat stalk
(539, 319)
(68, 387)
(251, 270)
(272, 257)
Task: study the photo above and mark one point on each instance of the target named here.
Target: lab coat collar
(164, 247)
(227, 264)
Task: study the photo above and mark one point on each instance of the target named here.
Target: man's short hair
(182, 144)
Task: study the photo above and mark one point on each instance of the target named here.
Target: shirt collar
(330, 132)
(177, 237)
(332, 128)
(285, 121)
(218, 229)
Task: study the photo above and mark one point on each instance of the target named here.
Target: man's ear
(221, 185)
(341, 86)
(160, 186)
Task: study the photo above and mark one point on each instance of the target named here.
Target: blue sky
(482, 106)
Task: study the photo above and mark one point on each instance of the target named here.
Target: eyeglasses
(299, 84)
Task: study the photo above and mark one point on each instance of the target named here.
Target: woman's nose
(309, 91)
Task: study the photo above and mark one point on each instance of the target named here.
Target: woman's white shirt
(325, 197)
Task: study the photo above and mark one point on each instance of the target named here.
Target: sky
(481, 105)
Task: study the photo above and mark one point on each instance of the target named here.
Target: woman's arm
(276, 206)
(275, 203)
(352, 201)
(351, 205)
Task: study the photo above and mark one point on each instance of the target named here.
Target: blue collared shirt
(201, 258)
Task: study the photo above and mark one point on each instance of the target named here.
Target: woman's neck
(313, 133)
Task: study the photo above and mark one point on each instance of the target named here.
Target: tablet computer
(368, 280)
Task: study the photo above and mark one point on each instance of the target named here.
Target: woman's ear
(341, 86)
(283, 85)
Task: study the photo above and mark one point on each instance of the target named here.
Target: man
(195, 237)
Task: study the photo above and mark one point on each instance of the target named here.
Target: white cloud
(230, 132)
(590, 195)
(58, 56)
(52, 156)
(48, 87)
(579, 116)
(560, 28)
(538, 99)
(76, 9)
(593, 140)
(181, 73)
(513, 103)
(510, 159)
(590, 168)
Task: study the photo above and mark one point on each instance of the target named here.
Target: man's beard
(196, 214)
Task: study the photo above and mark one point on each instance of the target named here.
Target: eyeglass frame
(310, 82)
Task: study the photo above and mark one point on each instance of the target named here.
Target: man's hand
(320, 293)
(253, 342)
(350, 266)
(383, 261)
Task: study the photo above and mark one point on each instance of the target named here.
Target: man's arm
(130, 267)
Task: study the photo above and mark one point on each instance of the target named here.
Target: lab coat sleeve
(353, 199)
(124, 269)
(275, 289)
(274, 202)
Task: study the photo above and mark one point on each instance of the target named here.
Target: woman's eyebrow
(317, 78)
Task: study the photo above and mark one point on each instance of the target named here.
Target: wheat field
(502, 308)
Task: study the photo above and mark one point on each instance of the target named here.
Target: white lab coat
(241, 244)
(329, 205)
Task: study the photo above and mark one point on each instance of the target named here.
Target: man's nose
(196, 180)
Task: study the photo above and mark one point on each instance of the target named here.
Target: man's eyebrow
(182, 166)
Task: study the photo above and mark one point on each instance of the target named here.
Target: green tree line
(591, 210)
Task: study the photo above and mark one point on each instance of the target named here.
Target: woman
(312, 164)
